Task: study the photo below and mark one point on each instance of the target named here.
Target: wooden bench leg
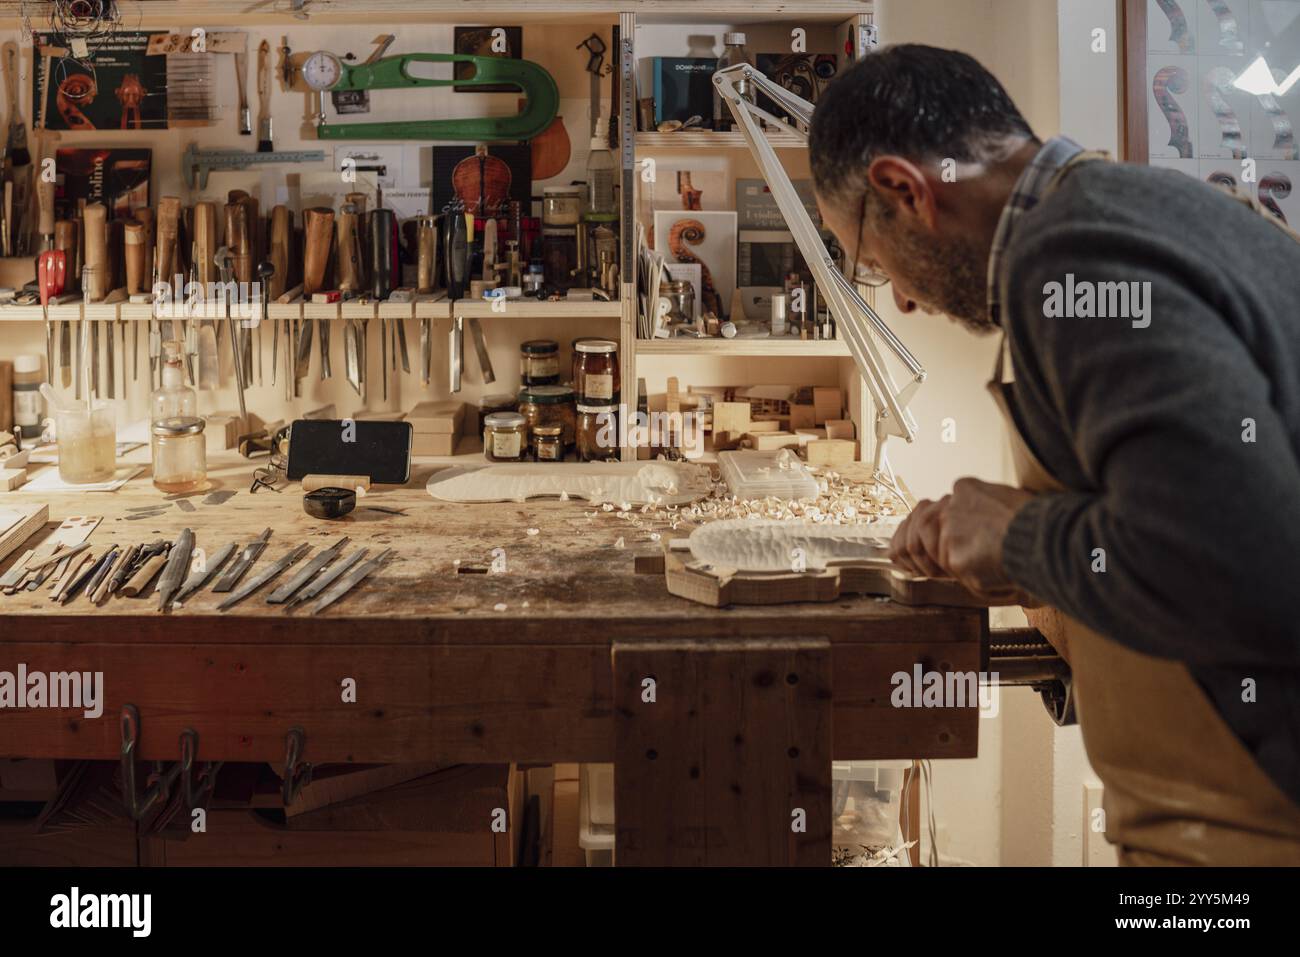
(722, 752)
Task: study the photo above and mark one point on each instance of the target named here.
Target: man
(1152, 333)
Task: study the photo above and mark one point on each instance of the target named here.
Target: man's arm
(1200, 529)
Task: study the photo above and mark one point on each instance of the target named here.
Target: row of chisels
(174, 571)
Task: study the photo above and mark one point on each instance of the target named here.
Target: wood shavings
(619, 543)
(499, 606)
(534, 531)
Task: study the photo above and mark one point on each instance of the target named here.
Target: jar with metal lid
(548, 443)
(499, 402)
(595, 377)
(539, 362)
(505, 437)
(680, 294)
(560, 256)
(561, 205)
(549, 405)
(180, 454)
(597, 432)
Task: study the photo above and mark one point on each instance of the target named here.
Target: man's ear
(903, 186)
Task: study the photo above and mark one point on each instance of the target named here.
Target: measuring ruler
(196, 164)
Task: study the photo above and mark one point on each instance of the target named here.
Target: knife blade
(426, 350)
(456, 348)
(325, 371)
(327, 578)
(210, 568)
(351, 356)
(401, 343)
(349, 581)
(264, 576)
(65, 352)
(304, 350)
(480, 346)
(246, 558)
(285, 591)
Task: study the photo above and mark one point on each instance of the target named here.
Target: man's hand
(960, 536)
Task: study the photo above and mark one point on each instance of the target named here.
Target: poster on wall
(481, 182)
(118, 178)
(1217, 88)
(119, 87)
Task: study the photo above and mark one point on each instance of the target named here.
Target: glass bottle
(600, 175)
(174, 399)
(733, 53)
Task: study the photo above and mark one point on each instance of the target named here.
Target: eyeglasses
(866, 275)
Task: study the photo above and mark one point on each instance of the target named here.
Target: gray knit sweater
(1179, 442)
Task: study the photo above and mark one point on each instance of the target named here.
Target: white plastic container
(596, 813)
(779, 474)
(866, 801)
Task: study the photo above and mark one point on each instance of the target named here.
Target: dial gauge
(321, 70)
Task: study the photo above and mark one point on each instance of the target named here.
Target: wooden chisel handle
(281, 240)
(96, 226)
(140, 581)
(144, 216)
(169, 216)
(205, 240)
(237, 239)
(133, 243)
(65, 239)
(349, 264)
(318, 231)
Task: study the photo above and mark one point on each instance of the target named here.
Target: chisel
(349, 581)
(285, 591)
(264, 576)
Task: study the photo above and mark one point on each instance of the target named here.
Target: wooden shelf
(715, 348)
(709, 140)
(534, 309)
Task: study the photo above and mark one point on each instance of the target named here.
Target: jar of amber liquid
(597, 433)
(595, 379)
(548, 443)
(539, 362)
(179, 454)
(549, 405)
(505, 437)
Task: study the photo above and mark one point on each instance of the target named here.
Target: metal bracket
(196, 796)
(295, 743)
(1022, 657)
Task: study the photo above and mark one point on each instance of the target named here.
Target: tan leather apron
(1180, 787)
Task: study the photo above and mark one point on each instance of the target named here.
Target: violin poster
(117, 87)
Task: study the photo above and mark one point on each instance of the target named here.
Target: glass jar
(539, 362)
(680, 294)
(560, 256)
(561, 205)
(180, 454)
(595, 377)
(548, 443)
(597, 432)
(549, 405)
(505, 436)
(87, 441)
(500, 402)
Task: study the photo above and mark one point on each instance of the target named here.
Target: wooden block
(833, 452)
(802, 417)
(731, 417)
(427, 443)
(812, 433)
(771, 441)
(841, 429)
(362, 415)
(221, 431)
(11, 479)
(437, 418)
(827, 404)
(673, 401)
(765, 425)
(19, 524)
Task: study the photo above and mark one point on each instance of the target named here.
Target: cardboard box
(437, 418)
(427, 443)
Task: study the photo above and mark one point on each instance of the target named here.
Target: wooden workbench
(543, 663)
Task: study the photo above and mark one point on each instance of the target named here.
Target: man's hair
(918, 102)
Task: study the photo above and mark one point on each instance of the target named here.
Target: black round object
(329, 502)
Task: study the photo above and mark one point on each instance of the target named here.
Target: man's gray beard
(951, 275)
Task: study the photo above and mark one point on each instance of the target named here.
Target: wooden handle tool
(65, 239)
(144, 216)
(318, 231)
(141, 580)
(349, 252)
(237, 239)
(427, 255)
(134, 240)
(205, 241)
(281, 241)
(169, 217)
(96, 268)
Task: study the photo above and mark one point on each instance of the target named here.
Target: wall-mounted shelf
(709, 140)
(714, 348)
(534, 309)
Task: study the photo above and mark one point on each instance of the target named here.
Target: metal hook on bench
(196, 796)
(295, 743)
(138, 805)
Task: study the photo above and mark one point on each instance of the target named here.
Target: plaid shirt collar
(1027, 194)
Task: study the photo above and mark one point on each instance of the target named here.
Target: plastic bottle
(27, 395)
(600, 175)
(733, 53)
